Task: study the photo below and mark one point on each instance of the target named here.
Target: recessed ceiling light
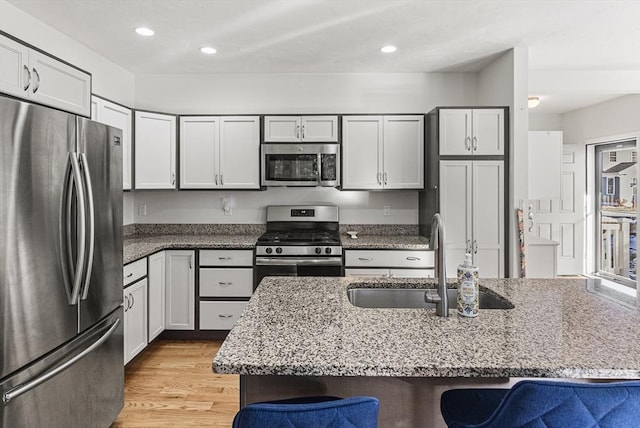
(388, 49)
(533, 102)
(208, 50)
(144, 31)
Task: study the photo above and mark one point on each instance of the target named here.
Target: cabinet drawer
(226, 258)
(134, 271)
(389, 258)
(221, 282)
(220, 315)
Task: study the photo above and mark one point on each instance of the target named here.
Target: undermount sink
(414, 298)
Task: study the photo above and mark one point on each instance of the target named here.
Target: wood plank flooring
(171, 384)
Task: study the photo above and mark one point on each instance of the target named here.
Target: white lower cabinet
(220, 315)
(389, 263)
(135, 319)
(157, 291)
(180, 290)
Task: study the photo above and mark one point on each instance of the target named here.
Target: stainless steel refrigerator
(61, 360)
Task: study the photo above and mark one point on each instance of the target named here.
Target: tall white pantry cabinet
(471, 185)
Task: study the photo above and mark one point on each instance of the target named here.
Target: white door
(135, 319)
(180, 290)
(362, 152)
(199, 152)
(120, 117)
(319, 129)
(157, 290)
(155, 150)
(562, 220)
(403, 149)
(240, 152)
(59, 85)
(488, 218)
(14, 68)
(455, 131)
(282, 129)
(488, 132)
(456, 210)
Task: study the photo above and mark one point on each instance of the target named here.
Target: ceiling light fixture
(533, 102)
(144, 31)
(388, 49)
(208, 50)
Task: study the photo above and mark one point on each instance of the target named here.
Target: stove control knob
(327, 250)
(269, 250)
(279, 250)
(318, 250)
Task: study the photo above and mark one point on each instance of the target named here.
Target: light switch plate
(387, 210)
(142, 209)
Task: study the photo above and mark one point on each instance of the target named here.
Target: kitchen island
(302, 336)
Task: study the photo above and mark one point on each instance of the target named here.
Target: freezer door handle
(18, 390)
(91, 220)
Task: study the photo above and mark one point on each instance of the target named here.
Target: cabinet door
(281, 129)
(403, 148)
(361, 152)
(180, 290)
(155, 151)
(156, 294)
(240, 152)
(199, 152)
(135, 319)
(455, 131)
(455, 208)
(59, 85)
(14, 68)
(120, 117)
(220, 315)
(488, 132)
(319, 129)
(488, 218)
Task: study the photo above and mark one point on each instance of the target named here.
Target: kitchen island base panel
(404, 402)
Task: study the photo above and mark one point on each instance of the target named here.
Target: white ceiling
(339, 36)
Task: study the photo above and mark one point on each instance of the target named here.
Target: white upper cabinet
(35, 76)
(155, 151)
(465, 132)
(383, 152)
(220, 152)
(293, 129)
(115, 115)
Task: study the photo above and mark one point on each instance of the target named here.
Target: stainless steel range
(301, 240)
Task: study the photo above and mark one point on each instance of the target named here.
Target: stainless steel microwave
(300, 164)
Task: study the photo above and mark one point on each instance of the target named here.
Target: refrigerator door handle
(82, 229)
(91, 220)
(66, 243)
(18, 390)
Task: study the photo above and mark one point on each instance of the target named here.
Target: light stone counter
(385, 242)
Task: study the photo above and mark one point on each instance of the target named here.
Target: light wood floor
(171, 384)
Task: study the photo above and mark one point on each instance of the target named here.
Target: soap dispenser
(468, 289)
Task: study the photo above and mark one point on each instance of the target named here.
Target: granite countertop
(137, 247)
(384, 242)
(306, 326)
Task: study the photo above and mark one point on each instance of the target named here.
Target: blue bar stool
(310, 412)
(546, 404)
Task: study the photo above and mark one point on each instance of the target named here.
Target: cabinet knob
(467, 143)
(26, 86)
(475, 144)
(36, 87)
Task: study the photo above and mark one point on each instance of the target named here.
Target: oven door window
(329, 167)
(292, 167)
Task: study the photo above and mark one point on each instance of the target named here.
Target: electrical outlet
(226, 205)
(387, 210)
(142, 209)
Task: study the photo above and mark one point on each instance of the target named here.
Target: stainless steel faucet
(439, 296)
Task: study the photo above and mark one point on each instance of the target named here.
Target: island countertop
(307, 327)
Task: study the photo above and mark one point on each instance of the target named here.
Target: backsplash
(380, 229)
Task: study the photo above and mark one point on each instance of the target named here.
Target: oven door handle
(297, 261)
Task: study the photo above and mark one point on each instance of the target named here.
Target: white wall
(545, 122)
(128, 203)
(504, 82)
(250, 206)
(274, 93)
(610, 118)
(109, 80)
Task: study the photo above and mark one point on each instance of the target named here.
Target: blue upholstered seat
(310, 412)
(544, 404)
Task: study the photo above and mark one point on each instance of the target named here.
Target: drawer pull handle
(365, 259)
(225, 316)
(224, 284)
(130, 275)
(224, 258)
(413, 258)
